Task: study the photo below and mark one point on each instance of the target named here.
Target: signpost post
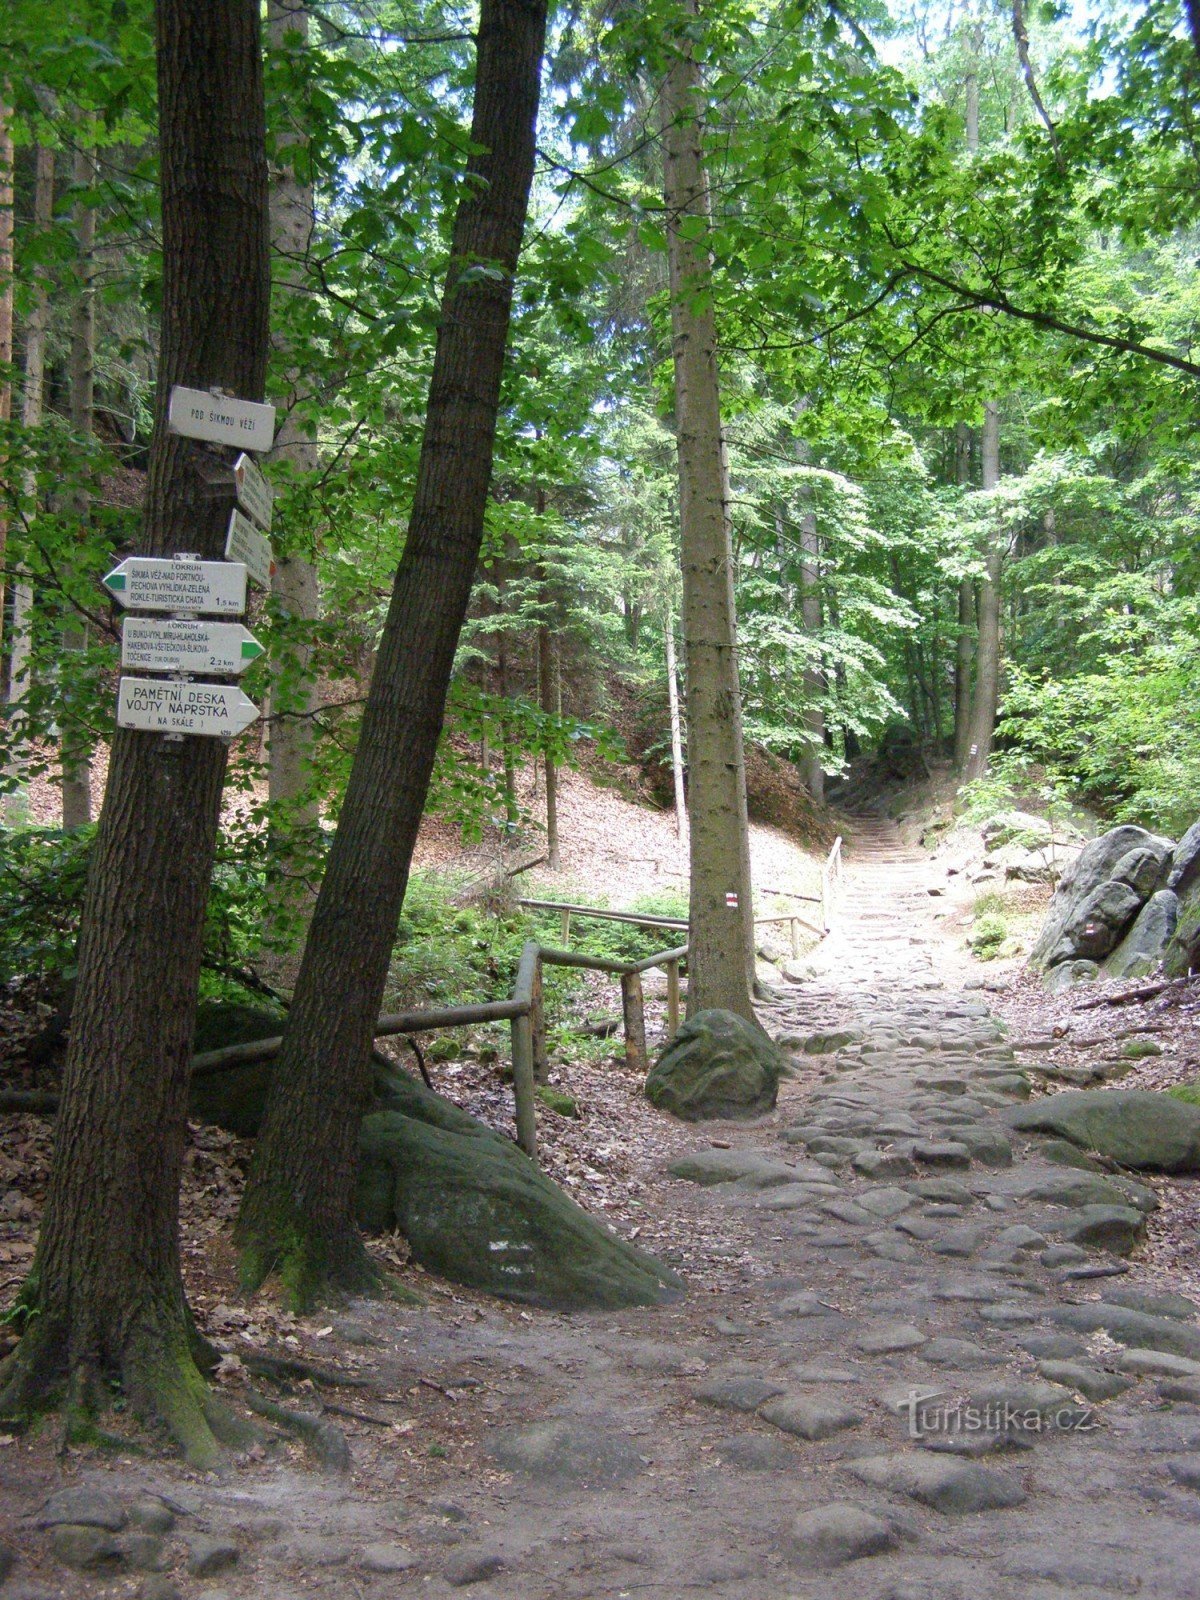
(165, 644)
(159, 705)
(243, 542)
(158, 583)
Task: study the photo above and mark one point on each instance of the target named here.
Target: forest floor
(744, 1440)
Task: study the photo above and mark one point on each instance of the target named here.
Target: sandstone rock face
(1097, 904)
(1140, 951)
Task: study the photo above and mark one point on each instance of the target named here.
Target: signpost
(157, 583)
(254, 494)
(219, 419)
(158, 705)
(162, 644)
(243, 542)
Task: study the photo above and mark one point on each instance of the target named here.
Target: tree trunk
(74, 745)
(681, 817)
(720, 962)
(17, 801)
(987, 668)
(299, 1207)
(812, 769)
(294, 585)
(546, 672)
(104, 1300)
(964, 648)
(6, 312)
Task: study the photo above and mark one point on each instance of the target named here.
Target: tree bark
(104, 1301)
(720, 961)
(681, 816)
(6, 310)
(16, 801)
(74, 744)
(964, 648)
(812, 769)
(294, 585)
(546, 697)
(299, 1208)
(987, 667)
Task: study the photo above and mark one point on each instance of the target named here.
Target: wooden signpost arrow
(163, 644)
(158, 705)
(243, 542)
(156, 583)
(254, 494)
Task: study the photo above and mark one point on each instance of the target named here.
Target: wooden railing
(525, 1012)
(831, 880)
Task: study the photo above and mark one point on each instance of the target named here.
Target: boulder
(1135, 1127)
(1097, 923)
(1016, 827)
(1098, 890)
(1068, 974)
(1145, 868)
(475, 1209)
(1182, 954)
(1185, 863)
(717, 1065)
(1140, 951)
(472, 1206)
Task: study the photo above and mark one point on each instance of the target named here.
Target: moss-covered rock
(472, 1206)
(1182, 954)
(1135, 1127)
(475, 1209)
(717, 1065)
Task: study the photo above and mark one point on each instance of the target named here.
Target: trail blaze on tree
(104, 1299)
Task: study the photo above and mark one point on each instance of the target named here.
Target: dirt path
(920, 1369)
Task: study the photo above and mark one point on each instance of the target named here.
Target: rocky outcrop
(472, 1206)
(1135, 1127)
(717, 1065)
(1098, 905)
(1182, 954)
(1142, 947)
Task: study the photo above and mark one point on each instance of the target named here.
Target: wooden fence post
(523, 1091)
(635, 1021)
(672, 998)
(537, 1019)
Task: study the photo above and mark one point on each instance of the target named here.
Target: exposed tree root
(326, 1443)
(283, 1369)
(156, 1370)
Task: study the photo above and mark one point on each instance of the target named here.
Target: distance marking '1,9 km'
(156, 583)
(218, 419)
(162, 644)
(243, 542)
(156, 705)
(254, 494)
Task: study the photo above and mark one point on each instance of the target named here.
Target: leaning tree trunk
(6, 311)
(104, 1301)
(75, 754)
(721, 914)
(294, 585)
(987, 665)
(813, 766)
(36, 325)
(299, 1207)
